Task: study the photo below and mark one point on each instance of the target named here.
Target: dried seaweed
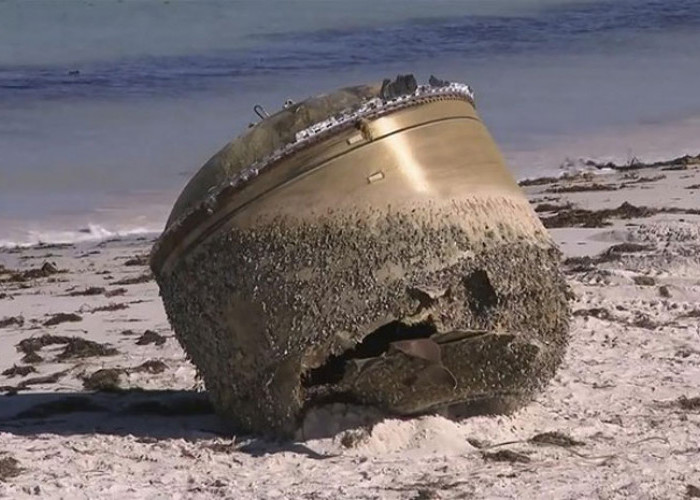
(115, 292)
(539, 181)
(9, 468)
(45, 379)
(596, 312)
(110, 307)
(105, 380)
(19, 371)
(81, 348)
(32, 357)
(59, 318)
(555, 438)
(33, 344)
(581, 188)
(12, 320)
(580, 217)
(151, 337)
(679, 163)
(628, 247)
(47, 269)
(143, 278)
(689, 403)
(137, 260)
(550, 207)
(506, 456)
(644, 280)
(644, 180)
(643, 321)
(151, 366)
(93, 290)
(76, 347)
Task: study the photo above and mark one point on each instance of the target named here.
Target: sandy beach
(99, 400)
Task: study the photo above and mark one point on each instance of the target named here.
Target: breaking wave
(91, 233)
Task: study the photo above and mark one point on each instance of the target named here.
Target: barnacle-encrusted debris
(365, 246)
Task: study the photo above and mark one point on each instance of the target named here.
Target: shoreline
(109, 222)
(113, 410)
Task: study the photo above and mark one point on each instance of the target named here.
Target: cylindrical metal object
(363, 247)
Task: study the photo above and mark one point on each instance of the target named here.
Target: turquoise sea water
(108, 106)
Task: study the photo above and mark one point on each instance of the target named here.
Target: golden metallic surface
(390, 260)
(439, 150)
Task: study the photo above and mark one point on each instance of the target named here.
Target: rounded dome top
(280, 136)
(262, 139)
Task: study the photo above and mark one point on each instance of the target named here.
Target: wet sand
(99, 400)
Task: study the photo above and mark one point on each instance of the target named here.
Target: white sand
(617, 392)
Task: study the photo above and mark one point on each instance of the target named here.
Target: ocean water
(107, 107)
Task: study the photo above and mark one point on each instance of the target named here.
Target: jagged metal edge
(373, 108)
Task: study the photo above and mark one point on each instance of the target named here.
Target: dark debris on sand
(116, 292)
(230, 447)
(19, 371)
(555, 438)
(680, 163)
(595, 312)
(151, 337)
(59, 318)
(93, 290)
(506, 456)
(75, 347)
(104, 380)
(644, 280)
(32, 358)
(628, 248)
(614, 253)
(110, 307)
(153, 366)
(687, 403)
(17, 276)
(581, 188)
(642, 320)
(639, 320)
(9, 468)
(143, 278)
(137, 260)
(12, 321)
(109, 379)
(539, 181)
(551, 207)
(33, 344)
(581, 217)
(633, 179)
(44, 379)
(81, 348)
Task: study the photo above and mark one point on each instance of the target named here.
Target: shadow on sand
(157, 414)
(147, 415)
